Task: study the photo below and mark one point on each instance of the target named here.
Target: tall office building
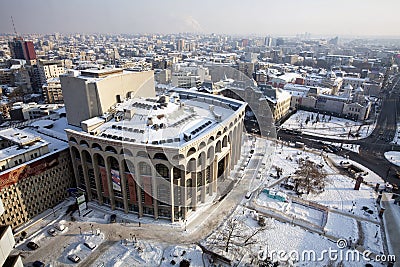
(268, 41)
(21, 49)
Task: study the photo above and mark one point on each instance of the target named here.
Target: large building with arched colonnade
(159, 156)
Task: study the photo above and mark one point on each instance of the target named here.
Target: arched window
(144, 168)
(161, 156)
(162, 170)
(191, 151)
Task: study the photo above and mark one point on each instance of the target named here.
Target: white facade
(174, 153)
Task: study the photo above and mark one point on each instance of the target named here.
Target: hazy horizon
(354, 18)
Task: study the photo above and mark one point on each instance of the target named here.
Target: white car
(59, 226)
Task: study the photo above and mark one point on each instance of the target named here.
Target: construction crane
(15, 31)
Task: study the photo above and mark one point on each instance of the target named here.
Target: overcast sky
(278, 17)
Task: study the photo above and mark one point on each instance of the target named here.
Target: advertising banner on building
(103, 174)
(116, 180)
(28, 170)
(147, 187)
(131, 188)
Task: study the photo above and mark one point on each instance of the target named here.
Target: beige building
(50, 69)
(31, 188)
(52, 92)
(92, 93)
(161, 157)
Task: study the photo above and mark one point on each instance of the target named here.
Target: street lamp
(80, 230)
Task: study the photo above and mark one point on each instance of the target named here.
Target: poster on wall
(116, 180)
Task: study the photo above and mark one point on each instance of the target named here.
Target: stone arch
(73, 140)
(162, 170)
(210, 140)
(111, 149)
(201, 159)
(191, 151)
(113, 161)
(178, 157)
(86, 154)
(160, 156)
(218, 146)
(144, 168)
(84, 143)
(142, 154)
(75, 153)
(225, 141)
(97, 146)
(219, 134)
(191, 165)
(99, 159)
(128, 165)
(210, 153)
(126, 152)
(202, 145)
(225, 129)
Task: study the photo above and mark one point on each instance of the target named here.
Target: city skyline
(354, 18)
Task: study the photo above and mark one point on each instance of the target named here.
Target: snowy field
(326, 126)
(145, 253)
(274, 237)
(291, 209)
(393, 157)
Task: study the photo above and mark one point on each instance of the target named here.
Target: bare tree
(235, 237)
(310, 178)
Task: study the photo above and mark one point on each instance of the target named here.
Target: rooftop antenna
(15, 31)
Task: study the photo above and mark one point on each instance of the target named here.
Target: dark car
(38, 264)
(32, 245)
(74, 258)
(113, 218)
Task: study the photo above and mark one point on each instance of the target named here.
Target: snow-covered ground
(341, 226)
(393, 157)
(146, 253)
(327, 126)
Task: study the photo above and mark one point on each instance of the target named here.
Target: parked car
(90, 245)
(52, 232)
(59, 226)
(32, 245)
(38, 264)
(113, 218)
(74, 258)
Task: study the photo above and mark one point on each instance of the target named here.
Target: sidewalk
(391, 220)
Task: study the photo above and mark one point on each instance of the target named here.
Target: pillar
(97, 180)
(123, 185)
(172, 193)
(75, 166)
(86, 175)
(109, 183)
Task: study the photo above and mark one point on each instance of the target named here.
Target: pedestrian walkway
(391, 220)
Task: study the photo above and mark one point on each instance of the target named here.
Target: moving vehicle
(74, 258)
(32, 245)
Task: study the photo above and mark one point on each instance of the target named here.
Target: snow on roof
(19, 137)
(167, 121)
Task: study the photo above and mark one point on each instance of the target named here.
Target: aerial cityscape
(214, 133)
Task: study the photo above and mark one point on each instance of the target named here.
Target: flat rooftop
(18, 137)
(165, 120)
